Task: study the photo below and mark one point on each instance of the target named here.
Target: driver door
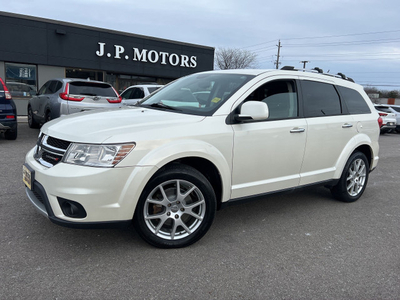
(268, 155)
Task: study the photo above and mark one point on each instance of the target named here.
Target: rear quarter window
(353, 100)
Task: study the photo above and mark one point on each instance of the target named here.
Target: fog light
(71, 208)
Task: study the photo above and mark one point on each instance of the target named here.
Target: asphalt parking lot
(301, 245)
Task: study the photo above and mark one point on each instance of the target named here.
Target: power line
(342, 35)
(361, 42)
(326, 36)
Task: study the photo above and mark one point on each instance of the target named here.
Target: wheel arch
(361, 143)
(199, 155)
(204, 166)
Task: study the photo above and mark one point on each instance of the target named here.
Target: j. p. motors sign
(151, 56)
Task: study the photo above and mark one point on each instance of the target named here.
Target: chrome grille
(50, 150)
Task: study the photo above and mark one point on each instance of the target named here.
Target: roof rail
(320, 71)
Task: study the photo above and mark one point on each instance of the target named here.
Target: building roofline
(57, 22)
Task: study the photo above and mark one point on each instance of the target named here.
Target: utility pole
(279, 51)
(304, 62)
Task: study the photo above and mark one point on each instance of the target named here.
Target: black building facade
(34, 50)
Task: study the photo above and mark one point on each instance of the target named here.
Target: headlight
(96, 155)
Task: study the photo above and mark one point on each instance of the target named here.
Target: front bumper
(108, 195)
(39, 199)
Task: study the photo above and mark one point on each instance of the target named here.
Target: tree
(228, 58)
(393, 94)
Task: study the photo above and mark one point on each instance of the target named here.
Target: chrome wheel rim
(174, 209)
(356, 177)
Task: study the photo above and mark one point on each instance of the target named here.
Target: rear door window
(320, 99)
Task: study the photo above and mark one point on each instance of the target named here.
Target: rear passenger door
(329, 130)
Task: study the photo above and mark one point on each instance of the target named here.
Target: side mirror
(253, 110)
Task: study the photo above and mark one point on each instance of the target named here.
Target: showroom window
(84, 74)
(21, 80)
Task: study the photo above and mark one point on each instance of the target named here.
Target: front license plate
(27, 176)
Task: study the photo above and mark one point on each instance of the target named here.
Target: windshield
(200, 94)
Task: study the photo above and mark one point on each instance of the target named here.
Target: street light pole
(304, 62)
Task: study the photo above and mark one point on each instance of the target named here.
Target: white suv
(203, 142)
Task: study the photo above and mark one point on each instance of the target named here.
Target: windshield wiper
(162, 105)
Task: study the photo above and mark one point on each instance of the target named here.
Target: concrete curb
(22, 119)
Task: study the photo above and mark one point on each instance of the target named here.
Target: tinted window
(383, 108)
(280, 96)
(321, 99)
(53, 87)
(137, 93)
(396, 108)
(91, 89)
(354, 101)
(43, 89)
(127, 94)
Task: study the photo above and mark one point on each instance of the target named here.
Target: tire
(47, 117)
(11, 135)
(354, 179)
(167, 219)
(31, 121)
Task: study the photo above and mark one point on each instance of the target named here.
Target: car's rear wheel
(354, 179)
(176, 208)
(31, 121)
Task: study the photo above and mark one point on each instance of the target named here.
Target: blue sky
(358, 38)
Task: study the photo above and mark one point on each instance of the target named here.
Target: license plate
(27, 176)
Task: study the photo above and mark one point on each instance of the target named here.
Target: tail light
(118, 98)
(382, 114)
(6, 91)
(66, 96)
(380, 122)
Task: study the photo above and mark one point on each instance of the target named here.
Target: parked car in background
(8, 113)
(390, 118)
(134, 93)
(396, 110)
(67, 96)
(18, 89)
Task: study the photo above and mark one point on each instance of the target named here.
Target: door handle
(297, 130)
(347, 125)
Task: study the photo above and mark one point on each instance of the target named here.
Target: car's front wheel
(176, 208)
(354, 179)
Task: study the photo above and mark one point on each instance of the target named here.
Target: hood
(115, 126)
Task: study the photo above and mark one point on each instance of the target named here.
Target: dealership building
(35, 50)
